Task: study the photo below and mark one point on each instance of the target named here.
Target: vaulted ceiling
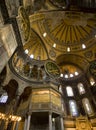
(67, 36)
(62, 31)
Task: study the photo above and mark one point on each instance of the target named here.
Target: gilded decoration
(68, 29)
(82, 123)
(25, 23)
(36, 46)
(46, 96)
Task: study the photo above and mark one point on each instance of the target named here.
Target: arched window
(73, 108)
(60, 89)
(4, 98)
(69, 91)
(92, 81)
(81, 88)
(87, 106)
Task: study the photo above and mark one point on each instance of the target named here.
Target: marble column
(62, 122)
(28, 122)
(17, 125)
(2, 125)
(25, 124)
(50, 121)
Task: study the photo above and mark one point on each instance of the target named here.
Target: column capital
(61, 116)
(50, 112)
(29, 113)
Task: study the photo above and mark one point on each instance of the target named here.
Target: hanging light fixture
(9, 117)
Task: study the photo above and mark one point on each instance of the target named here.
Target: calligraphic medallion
(52, 69)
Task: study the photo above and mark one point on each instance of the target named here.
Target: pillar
(28, 122)
(25, 124)
(62, 122)
(3, 125)
(17, 125)
(50, 121)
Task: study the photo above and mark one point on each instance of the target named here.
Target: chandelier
(9, 117)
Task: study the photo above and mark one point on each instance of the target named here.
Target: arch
(26, 92)
(11, 88)
(76, 60)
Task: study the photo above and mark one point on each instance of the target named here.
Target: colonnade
(27, 122)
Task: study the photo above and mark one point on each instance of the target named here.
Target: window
(92, 81)
(3, 98)
(69, 91)
(60, 89)
(81, 88)
(87, 106)
(73, 108)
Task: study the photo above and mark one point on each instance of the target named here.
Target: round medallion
(83, 125)
(52, 69)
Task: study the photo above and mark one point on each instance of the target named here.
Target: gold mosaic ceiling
(68, 37)
(65, 29)
(68, 29)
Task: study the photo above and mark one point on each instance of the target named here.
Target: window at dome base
(70, 71)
